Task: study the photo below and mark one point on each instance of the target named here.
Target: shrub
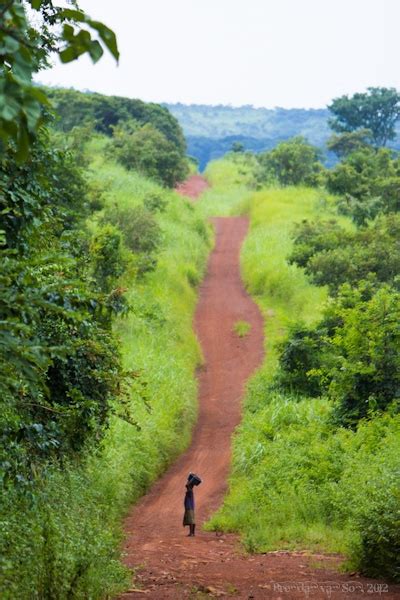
(107, 256)
(148, 151)
(333, 256)
(294, 162)
(300, 361)
(142, 234)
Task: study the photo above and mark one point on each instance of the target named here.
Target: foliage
(60, 542)
(61, 526)
(149, 152)
(24, 49)
(242, 328)
(76, 109)
(333, 256)
(377, 110)
(301, 360)
(142, 234)
(107, 257)
(315, 236)
(367, 376)
(369, 181)
(349, 141)
(60, 366)
(294, 162)
(298, 480)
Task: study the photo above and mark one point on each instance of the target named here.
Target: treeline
(210, 131)
(144, 137)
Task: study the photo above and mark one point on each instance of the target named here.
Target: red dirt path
(172, 566)
(193, 187)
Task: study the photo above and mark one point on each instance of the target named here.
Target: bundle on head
(194, 479)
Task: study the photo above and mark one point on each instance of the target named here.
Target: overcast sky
(288, 53)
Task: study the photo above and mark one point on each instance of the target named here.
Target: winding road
(170, 565)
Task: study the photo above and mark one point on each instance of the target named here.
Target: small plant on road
(241, 328)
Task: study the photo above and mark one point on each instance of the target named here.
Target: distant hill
(211, 130)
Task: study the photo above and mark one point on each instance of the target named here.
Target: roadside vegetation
(100, 261)
(100, 264)
(316, 458)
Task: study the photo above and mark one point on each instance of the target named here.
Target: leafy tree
(237, 147)
(368, 376)
(369, 182)
(24, 50)
(77, 109)
(346, 143)
(339, 257)
(294, 162)
(148, 151)
(377, 110)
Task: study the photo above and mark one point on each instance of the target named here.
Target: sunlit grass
(297, 481)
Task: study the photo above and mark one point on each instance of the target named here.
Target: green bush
(142, 234)
(107, 257)
(333, 256)
(369, 181)
(148, 151)
(295, 162)
(300, 361)
(61, 541)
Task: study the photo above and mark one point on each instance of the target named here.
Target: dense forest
(211, 131)
(101, 263)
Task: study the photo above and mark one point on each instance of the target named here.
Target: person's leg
(193, 528)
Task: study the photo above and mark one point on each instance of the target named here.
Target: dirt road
(173, 566)
(193, 187)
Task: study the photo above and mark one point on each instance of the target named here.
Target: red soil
(192, 187)
(169, 564)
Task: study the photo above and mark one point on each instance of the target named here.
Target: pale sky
(288, 53)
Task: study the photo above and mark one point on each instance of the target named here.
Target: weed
(242, 328)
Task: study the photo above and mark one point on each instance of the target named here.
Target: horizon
(177, 103)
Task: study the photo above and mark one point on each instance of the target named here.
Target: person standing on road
(188, 517)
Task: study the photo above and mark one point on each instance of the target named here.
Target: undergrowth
(65, 536)
(298, 481)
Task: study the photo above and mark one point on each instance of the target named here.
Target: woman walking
(188, 517)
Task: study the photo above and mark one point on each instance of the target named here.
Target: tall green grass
(297, 481)
(229, 192)
(63, 542)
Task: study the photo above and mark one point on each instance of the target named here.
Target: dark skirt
(188, 517)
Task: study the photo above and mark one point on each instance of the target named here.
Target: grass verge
(298, 482)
